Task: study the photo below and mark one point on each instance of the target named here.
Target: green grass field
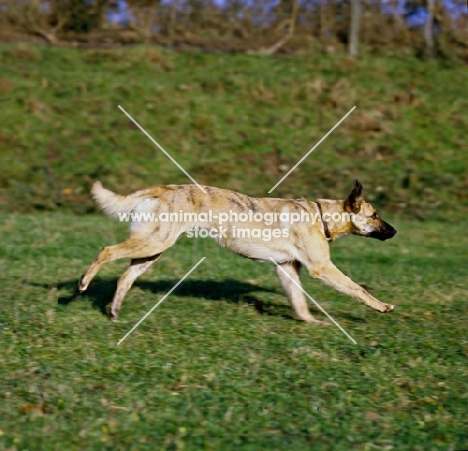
(207, 370)
(221, 364)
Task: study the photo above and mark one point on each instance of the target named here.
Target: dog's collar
(324, 223)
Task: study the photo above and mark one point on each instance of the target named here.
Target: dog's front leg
(332, 276)
(288, 273)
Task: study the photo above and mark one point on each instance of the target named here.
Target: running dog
(290, 232)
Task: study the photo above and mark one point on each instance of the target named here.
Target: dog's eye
(374, 216)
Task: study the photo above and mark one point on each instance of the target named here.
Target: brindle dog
(292, 244)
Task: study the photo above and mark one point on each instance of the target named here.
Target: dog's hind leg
(133, 247)
(137, 268)
(288, 273)
(332, 276)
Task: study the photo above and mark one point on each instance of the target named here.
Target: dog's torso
(257, 228)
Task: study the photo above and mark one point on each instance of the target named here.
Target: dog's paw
(310, 319)
(113, 316)
(82, 284)
(387, 308)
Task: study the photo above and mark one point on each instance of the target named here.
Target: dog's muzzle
(385, 233)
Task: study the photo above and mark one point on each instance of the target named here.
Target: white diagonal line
(313, 148)
(316, 303)
(160, 147)
(164, 297)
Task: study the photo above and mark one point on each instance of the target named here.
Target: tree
(429, 28)
(353, 41)
(290, 24)
(143, 17)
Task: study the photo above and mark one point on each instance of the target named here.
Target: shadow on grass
(101, 291)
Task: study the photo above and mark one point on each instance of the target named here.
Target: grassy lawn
(207, 370)
(221, 364)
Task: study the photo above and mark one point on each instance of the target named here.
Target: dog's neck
(334, 229)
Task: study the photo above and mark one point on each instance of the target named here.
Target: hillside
(233, 121)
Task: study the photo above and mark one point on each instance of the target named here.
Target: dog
(282, 238)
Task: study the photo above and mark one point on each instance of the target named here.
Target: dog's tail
(113, 204)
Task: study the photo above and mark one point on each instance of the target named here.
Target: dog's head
(364, 219)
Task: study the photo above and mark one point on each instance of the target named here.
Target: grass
(208, 370)
(233, 121)
(221, 364)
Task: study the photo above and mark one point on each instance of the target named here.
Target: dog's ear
(353, 202)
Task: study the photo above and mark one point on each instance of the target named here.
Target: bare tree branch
(290, 33)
